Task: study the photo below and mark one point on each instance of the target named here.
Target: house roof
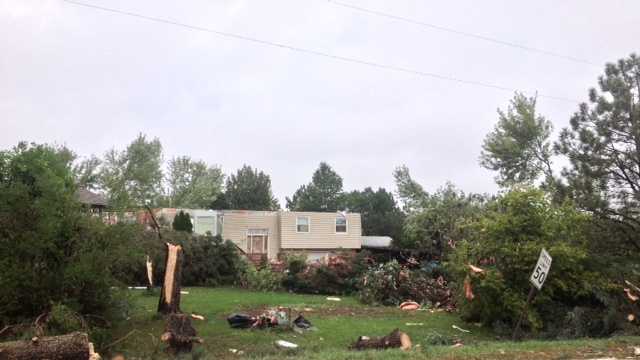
(379, 242)
(90, 198)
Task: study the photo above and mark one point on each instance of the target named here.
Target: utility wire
(463, 33)
(311, 51)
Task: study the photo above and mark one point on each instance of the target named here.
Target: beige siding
(237, 222)
(322, 234)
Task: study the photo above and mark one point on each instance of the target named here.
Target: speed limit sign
(541, 270)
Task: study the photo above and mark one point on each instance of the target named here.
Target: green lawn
(338, 323)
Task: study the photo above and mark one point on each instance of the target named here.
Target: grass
(339, 324)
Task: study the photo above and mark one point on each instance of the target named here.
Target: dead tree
(179, 334)
(170, 294)
(396, 339)
(74, 346)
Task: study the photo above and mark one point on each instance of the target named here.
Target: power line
(463, 33)
(311, 51)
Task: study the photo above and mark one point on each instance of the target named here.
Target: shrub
(62, 320)
(182, 222)
(207, 260)
(339, 276)
(52, 251)
(506, 243)
(263, 279)
(295, 263)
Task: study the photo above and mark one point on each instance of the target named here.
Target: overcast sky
(93, 80)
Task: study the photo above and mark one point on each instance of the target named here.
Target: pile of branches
(392, 284)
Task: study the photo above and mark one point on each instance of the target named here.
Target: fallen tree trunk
(170, 295)
(179, 334)
(396, 339)
(73, 346)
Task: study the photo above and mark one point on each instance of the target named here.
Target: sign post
(537, 279)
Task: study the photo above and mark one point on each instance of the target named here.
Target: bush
(182, 222)
(207, 260)
(339, 276)
(62, 320)
(506, 242)
(263, 279)
(52, 251)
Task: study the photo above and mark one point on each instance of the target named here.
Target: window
(302, 224)
(257, 241)
(341, 224)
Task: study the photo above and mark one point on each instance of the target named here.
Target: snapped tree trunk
(396, 339)
(179, 334)
(170, 294)
(74, 346)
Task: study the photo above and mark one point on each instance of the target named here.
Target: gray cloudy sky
(92, 80)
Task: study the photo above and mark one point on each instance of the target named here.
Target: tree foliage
(87, 173)
(506, 241)
(519, 147)
(603, 146)
(411, 194)
(441, 222)
(182, 222)
(250, 189)
(323, 193)
(51, 251)
(193, 184)
(379, 211)
(133, 177)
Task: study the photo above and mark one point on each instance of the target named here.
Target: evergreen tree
(250, 189)
(603, 146)
(323, 193)
(182, 222)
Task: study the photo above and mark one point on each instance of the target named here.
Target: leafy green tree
(182, 222)
(519, 147)
(603, 146)
(411, 194)
(379, 211)
(442, 221)
(220, 203)
(87, 173)
(324, 193)
(193, 184)
(133, 177)
(52, 252)
(505, 242)
(250, 189)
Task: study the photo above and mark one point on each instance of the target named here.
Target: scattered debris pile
(393, 284)
(396, 339)
(279, 317)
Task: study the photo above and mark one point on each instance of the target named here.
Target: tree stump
(74, 346)
(170, 295)
(396, 339)
(179, 334)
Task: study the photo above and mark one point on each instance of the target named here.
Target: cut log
(74, 346)
(396, 339)
(170, 295)
(179, 334)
